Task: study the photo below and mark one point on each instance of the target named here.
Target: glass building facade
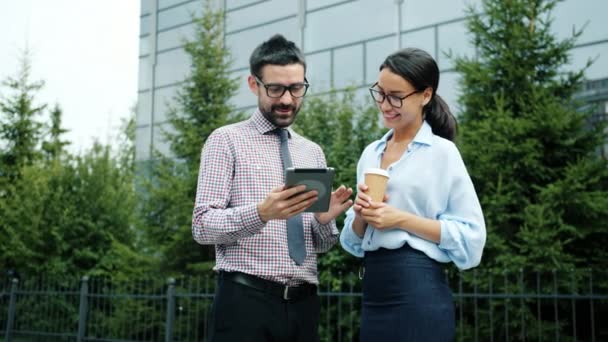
(344, 42)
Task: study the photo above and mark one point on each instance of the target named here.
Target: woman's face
(398, 91)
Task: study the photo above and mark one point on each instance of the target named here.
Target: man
(266, 288)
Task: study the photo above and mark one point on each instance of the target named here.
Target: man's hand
(281, 203)
(338, 203)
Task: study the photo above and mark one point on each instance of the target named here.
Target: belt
(286, 292)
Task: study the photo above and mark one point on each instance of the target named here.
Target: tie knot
(283, 133)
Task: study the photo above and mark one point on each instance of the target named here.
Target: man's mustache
(283, 107)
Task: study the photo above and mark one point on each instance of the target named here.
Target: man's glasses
(394, 100)
(275, 91)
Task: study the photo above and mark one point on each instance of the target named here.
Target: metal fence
(490, 306)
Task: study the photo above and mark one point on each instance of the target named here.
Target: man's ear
(253, 85)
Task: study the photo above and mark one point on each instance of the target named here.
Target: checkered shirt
(240, 164)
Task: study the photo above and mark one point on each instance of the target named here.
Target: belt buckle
(286, 293)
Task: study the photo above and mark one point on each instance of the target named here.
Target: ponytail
(438, 115)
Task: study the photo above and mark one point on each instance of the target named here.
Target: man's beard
(277, 119)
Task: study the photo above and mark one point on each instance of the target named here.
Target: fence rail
(490, 305)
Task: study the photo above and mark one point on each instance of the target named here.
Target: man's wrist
(320, 220)
(261, 214)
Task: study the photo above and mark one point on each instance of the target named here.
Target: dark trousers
(243, 313)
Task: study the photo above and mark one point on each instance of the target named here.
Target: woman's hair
(421, 71)
(276, 51)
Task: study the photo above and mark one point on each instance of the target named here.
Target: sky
(86, 51)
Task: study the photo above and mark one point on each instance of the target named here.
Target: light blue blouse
(430, 180)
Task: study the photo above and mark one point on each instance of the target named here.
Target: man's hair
(277, 51)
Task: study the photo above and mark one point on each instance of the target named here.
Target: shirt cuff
(252, 222)
(352, 243)
(325, 231)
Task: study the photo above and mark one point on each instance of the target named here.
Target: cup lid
(378, 171)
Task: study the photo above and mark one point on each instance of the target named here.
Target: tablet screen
(319, 179)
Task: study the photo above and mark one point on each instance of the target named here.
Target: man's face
(279, 111)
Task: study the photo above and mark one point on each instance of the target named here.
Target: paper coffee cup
(376, 180)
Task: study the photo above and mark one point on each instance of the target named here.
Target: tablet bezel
(314, 179)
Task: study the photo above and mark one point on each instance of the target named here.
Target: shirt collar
(263, 125)
(423, 137)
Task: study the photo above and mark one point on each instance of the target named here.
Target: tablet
(314, 179)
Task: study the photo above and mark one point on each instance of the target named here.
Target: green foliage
(64, 218)
(531, 154)
(55, 146)
(20, 126)
(529, 150)
(61, 214)
(202, 104)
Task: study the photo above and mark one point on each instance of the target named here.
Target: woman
(430, 214)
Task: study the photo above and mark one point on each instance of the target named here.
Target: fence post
(11, 310)
(170, 310)
(82, 311)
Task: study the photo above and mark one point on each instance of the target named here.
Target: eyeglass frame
(285, 88)
(372, 90)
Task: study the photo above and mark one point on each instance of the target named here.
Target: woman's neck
(406, 134)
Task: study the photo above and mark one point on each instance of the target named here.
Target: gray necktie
(295, 226)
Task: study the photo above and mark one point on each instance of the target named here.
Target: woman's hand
(383, 216)
(338, 203)
(362, 200)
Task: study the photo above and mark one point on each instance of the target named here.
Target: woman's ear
(427, 95)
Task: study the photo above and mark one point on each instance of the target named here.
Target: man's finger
(288, 192)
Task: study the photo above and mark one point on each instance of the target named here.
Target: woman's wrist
(359, 225)
(404, 220)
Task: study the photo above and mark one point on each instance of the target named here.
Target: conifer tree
(529, 148)
(201, 105)
(21, 128)
(54, 146)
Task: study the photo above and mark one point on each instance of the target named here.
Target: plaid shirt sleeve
(213, 222)
(324, 235)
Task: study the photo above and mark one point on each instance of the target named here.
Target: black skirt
(405, 298)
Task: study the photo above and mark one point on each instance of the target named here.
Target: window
(241, 44)
(145, 25)
(348, 66)
(175, 37)
(580, 56)
(164, 98)
(178, 15)
(145, 6)
(142, 143)
(243, 96)
(318, 72)
(422, 13)
(145, 45)
(144, 108)
(377, 50)
(347, 23)
(449, 90)
(263, 12)
(422, 39)
(167, 3)
(230, 4)
(576, 14)
(453, 38)
(314, 4)
(145, 72)
(160, 143)
(172, 66)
